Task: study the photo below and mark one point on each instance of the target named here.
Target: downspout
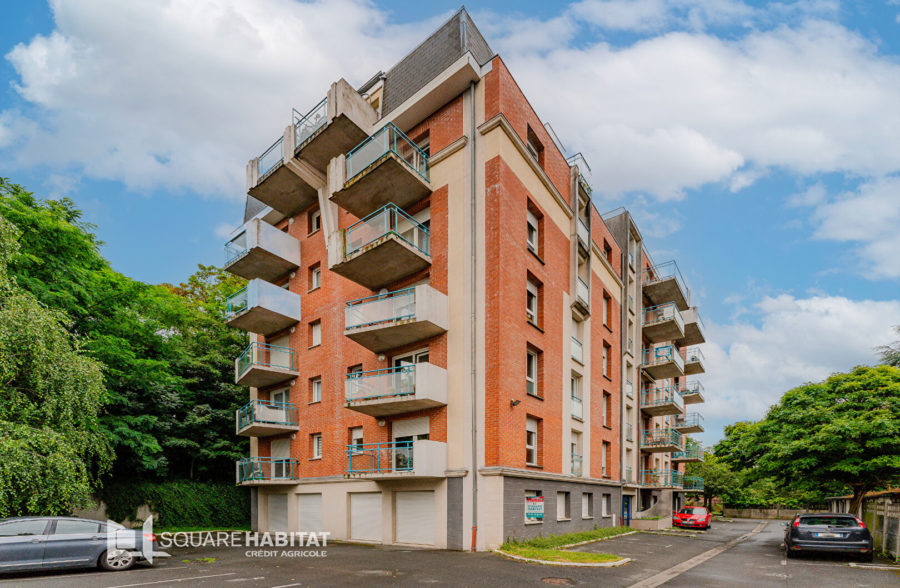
(623, 341)
(474, 326)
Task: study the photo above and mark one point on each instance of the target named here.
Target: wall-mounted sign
(534, 508)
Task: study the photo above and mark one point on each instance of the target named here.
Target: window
(533, 232)
(356, 438)
(604, 459)
(315, 333)
(577, 401)
(423, 141)
(354, 369)
(315, 221)
(607, 310)
(531, 441)
(64, 527)
(532, 297)
(28, 527)
(532, 361)
(317, 445)
(315, 276)
(606, 507)
(562, 506)
(534, 147)
(606, 359)
(587, 505)
(607, 409)
(315, 389)
(607, 251)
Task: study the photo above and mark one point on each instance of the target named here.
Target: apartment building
(434, 314)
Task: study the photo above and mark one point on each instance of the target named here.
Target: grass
(549, 548)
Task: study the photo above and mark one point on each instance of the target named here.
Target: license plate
(829, 535)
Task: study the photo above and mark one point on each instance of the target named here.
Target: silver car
(38, 543)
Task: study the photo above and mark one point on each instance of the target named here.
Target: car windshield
(828, 521)
(693, 511)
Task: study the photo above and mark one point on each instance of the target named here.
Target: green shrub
(181, 503)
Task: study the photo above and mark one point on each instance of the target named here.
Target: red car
(692, 517)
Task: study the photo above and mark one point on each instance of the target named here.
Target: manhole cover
(558, 581)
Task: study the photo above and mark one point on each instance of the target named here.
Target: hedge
(180, 503)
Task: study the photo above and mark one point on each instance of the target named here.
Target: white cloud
(749, 366)
(224, 230)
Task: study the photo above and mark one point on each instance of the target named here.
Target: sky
(758, 144)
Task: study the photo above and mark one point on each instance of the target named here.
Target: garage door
(277, 512)
(415, 517)
(310, 507)
(365, 516)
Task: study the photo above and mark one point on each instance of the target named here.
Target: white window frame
(531, 302)
(315, 333)
(317, 446)
(531, 361)
(315, 220)
(606, 505)
(587, 505)
(356, 437)
(316, 390)
(532, 231)
(316, 278)
(531, 440)
(563, 506)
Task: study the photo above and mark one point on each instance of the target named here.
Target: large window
(531, 441)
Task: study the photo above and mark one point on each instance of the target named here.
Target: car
(692, 517)
(829, 532)
(40, 543)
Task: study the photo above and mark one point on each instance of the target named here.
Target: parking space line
(287, 585)
(188, 579)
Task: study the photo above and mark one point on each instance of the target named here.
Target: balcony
(386, 246)
(662, 323)
(662, 362)
(584, 172)
(577, 351)
(577, 465)
(661, 401)
(395, 319)
(262, 308)
(661, 441)
(693, 328)
(386, 168)
(661, 478)
(398, 459)
(693, 361)
(691, 422)
(262, 418)
(691, 392)
(582, 296)
(692, 452)
(275, 183)
(263, 471)
(261, 251)
(396, 390)
(584, 235)
(663, 283)
(577, 408)
(692, 484)
(262, 365)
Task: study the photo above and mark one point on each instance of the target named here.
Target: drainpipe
(474, 326)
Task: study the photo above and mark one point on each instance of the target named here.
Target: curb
(571, 545)
(605, 564)
(874, 567)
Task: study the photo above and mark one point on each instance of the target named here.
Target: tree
(54, 449)
(890, 354)
(844, 430)
(718, 478)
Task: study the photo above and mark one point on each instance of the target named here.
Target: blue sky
(757, 143)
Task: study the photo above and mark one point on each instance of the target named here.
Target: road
(715, 558)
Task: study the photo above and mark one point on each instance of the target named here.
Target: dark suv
(843, 533)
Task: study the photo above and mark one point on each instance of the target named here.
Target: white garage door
(310, 507)
(415, 517)
(278, 517)
(365, 516)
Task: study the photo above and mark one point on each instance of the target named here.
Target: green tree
(890, 354)
(54, 450)
(718, 478)
(844, 430)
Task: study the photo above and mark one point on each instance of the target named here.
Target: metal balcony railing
(380, 458)
(306, 125)
(386, 220)
(693, 483)
(691, 419)
(266, 355)
(691, 354)
(577, 407)
(383, 383)
(381, 308)
(583, 292)
(662, 313)
(585, 176)
(271, 157)
(389, 139)
(688, 388)
(267, 412)
(577, 350)
(665, 271)
(236, 303)
(661, 395)
(692, 450)
(656, 437)
(577, 465)
(661, 478)
(254, 469)
(662, 354)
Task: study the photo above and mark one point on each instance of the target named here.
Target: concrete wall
(767, 513)
(455, 522)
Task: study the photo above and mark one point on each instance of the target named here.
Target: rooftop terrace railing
(388, 139)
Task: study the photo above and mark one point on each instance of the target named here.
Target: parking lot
(713, 558)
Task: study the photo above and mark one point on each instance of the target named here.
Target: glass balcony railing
(260, 294)
(236, 303)
(584, 171)
(583, 232)
(661, 437)
(583, 292)
(265, 355)
(692, 450)
(661, 478)
(380, 308)
(264, 412)
(307, 124)
(629, 474)
(664, 312)
(629, 389)
(662, 355)
(690, 388)
(629, 432)
(691, 419)
(577, 465)
(577, 350)
(262, 469)
(661, 395)
(692, 354)
(389, 139)
(694, 483)
(380, 384)
(271, 157)
(236, 248)
(577, 407)
(380, 458)
(387, 220)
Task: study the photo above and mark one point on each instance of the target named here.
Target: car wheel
(117, 560)
(789, 554)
